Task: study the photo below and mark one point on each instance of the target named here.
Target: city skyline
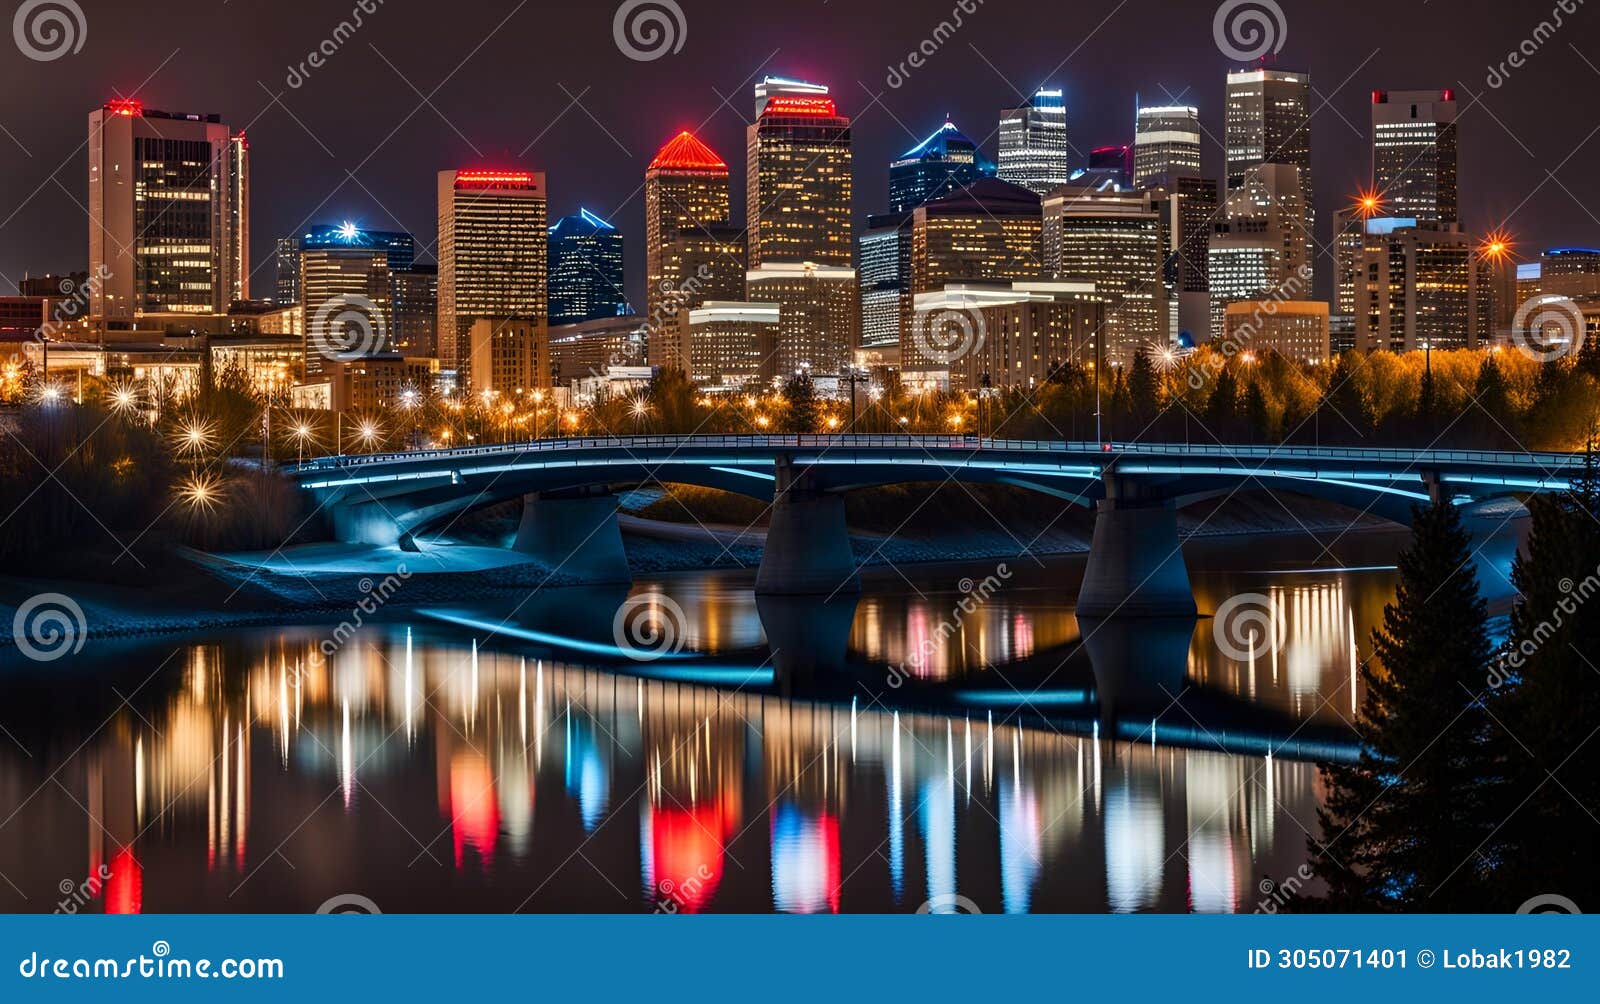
(594, 127)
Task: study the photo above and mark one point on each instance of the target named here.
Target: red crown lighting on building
(127, 107)
(494, 179)
(685, 152)
(815, 107)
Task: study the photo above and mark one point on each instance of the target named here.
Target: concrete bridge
(1135, 566)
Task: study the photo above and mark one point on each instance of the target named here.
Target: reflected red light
(686, 854)
(125, 887)
(474, 812)
(816, 107)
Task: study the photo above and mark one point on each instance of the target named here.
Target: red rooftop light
(126, 107)
(684, 152)
(495, 178)
(787, 105)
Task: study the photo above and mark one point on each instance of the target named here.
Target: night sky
(545, 87)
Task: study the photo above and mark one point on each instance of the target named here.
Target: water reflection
(432, 767)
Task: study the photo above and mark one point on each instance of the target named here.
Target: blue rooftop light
(595, 220)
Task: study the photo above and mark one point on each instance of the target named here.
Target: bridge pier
(575, 533)
(1136, 566)
(366, 523)
(808, 546)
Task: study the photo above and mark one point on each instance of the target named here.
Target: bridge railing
(1110, 451)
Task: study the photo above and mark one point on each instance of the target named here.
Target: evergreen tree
(1223, 404)
(1255, 414)
(1553, 707)
(1411, 826)
(1144, 387)
(801, 396)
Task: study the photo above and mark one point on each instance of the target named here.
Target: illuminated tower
(799, 229)
(943, 161)
(169, 208)
(1166, 145)
(1414, 154)
(585, 269)
(493, 255)
(1268, 122)
(692, 253)
(1033, 142)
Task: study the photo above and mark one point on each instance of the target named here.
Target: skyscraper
(798, 226)
(883, 267)
(415, 304)
(1033, 142)
(493, 256)
(687, 215)
(349, 313)
(1268, 122)
(585, 269)
(945, 160)
(1113, 240)
(1422, 285)
(1261, 250)
(1273, 194)
(1166, 144)
(1414, 154)
(1189, 209)
(169, 208)
(1110, 168)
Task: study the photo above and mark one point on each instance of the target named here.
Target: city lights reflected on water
(433, 768)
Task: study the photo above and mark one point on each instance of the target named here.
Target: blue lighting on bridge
(748, 474)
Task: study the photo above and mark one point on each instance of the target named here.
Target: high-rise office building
(724, 345)
(1349, 238)
(1110, 168)
(493, 255)
(687, 215)
(1268, 122)
(1166, 144)
(1033, 142)
(415, 304)
(1294, 329)
(1570, 272)
(1189, 209)
(883, 267)
(987, 232)
(1113, 240)
(1414, 154)
(347, 302)
(1245, 262)
(1028, 331)
(779, 87)
(797, 224)
(585, 269)
(1273, 194)
(1422, 285)
(945, 160)
(799, 183)
(169, 206)
(399, 246)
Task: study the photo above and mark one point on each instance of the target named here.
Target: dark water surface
(868, 755)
